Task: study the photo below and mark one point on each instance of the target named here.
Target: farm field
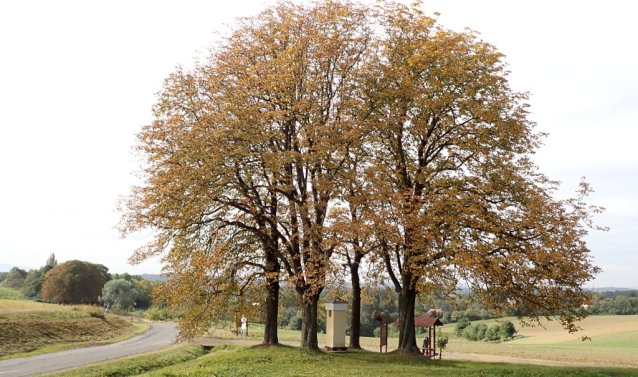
(28, 328)
(614, 341)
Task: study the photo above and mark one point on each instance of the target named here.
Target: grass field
(132, 366)
(28, 328)
(8, 293)
(235, 360)
(614, 341)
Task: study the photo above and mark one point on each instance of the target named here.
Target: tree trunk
(309, 323)
(272, 298)
(407, 334)
(355, 321)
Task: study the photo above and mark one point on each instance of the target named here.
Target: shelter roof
(336, 300)
(423, 322)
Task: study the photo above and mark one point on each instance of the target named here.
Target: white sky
(78, 79)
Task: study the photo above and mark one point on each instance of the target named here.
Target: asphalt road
(158, 336)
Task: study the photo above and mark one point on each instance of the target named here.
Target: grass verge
(290, 361)
(134, 365)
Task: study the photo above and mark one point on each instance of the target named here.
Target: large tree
(321, 133)
(251, 145)
(74, 282)
(458, 198)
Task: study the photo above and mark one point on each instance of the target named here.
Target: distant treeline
(619, 305)
(74, 282)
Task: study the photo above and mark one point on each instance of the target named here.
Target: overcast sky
(78, 79)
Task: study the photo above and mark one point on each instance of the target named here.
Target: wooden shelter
(383, 320)
(430, 323)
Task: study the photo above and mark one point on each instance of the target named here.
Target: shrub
(461, 325)
(493, 334)
(507, 330)
(154, 313)
(295, 323)
(441, 342)
(475, 332)
(99, 315)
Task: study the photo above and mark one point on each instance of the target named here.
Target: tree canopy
(314, 136)
(119, 292)
(74, 282)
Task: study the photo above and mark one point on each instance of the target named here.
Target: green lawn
(134, 365)
(290, 361)
(233, 360)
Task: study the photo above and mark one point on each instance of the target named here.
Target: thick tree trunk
(309, 323)
(272, 309)
(272, 298)
(407, 334)
(355, 321)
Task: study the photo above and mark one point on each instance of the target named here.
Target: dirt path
(211, 342)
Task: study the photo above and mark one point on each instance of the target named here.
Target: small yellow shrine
(336, 324)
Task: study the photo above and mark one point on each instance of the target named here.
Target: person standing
(244, 324)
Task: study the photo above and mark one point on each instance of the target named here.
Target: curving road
(158, 336)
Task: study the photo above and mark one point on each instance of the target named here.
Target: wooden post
(429, 341)
(434, 342)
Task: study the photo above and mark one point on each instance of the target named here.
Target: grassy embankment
(234, 360)
(614, 341)
(10, 294)
(28, 328)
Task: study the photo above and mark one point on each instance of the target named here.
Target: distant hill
(7, 267)
(154, 277)
(610, 289)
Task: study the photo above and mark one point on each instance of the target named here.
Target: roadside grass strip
(233, 360)
(134, 365)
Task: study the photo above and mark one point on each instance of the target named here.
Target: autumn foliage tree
(314, 136)
(458, 198)
(74, 282)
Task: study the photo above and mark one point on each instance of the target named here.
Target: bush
(295, 323)
(475, 332)
(117, 310)
(493, 334)
(461, 325)
(154, 313)
(99, 315)
(377, 332)
(507, 330)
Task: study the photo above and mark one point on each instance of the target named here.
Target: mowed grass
(614, 341)
(28, 328)
(134, 365)
(233, 360)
